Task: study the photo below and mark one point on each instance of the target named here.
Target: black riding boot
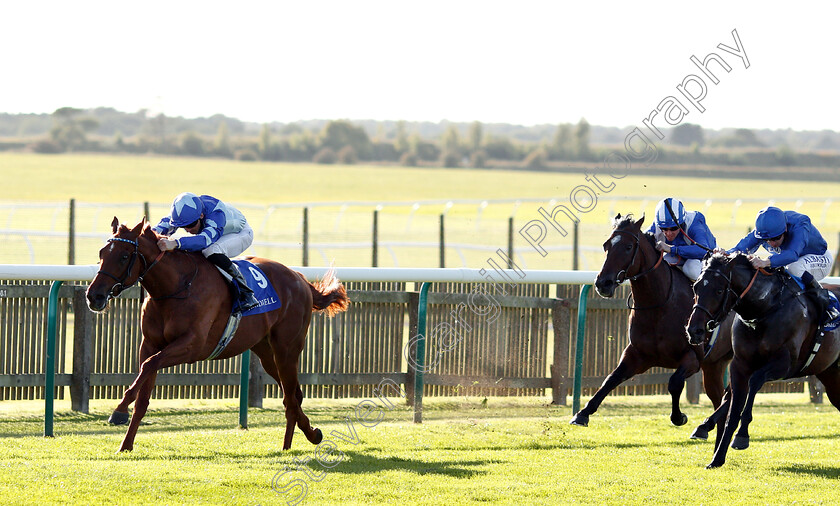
(820, 296)
(247, 300)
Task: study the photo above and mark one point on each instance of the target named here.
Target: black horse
(662, 303)
(774, 337)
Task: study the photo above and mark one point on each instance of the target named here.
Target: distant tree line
(445, 144)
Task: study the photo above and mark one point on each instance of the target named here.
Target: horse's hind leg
(629, 366)
(283, 367)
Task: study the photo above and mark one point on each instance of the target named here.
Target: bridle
(622, 274)
(120, 285)
(723, 310)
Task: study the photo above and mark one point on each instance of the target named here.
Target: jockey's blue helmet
(770, 222)
(664, 218)
(186, 209)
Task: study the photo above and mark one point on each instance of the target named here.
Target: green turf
(504, 451)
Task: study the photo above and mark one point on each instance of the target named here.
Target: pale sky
(523, 62)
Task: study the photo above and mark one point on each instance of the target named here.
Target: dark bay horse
(662, 303)
(186, 311)
(773, 338)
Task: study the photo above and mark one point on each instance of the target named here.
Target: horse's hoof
(319, 436)
(740, 443)
(700, 433)
(680, 420)
(580, 420)
(118, 418)
(713, 465)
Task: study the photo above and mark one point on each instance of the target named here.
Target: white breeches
(231, 245)
(818, 265)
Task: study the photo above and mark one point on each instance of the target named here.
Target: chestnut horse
(187, 309)
(662, 300)
(774, 337)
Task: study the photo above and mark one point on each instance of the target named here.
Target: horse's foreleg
(143, 395)
(776, 369)
(178, 352)
(717, 418)
(676, 383)
(689, 365)
(120, 415)
(625, 370)
(713, 373)
(739, 385)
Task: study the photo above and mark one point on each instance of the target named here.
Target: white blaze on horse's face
(615, 240)
(705, 282)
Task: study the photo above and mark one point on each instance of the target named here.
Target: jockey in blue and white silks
(796, 244)
(219, 231)
(679, 239)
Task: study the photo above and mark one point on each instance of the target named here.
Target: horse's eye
(719, 292)
(124, 257)
(628, 247)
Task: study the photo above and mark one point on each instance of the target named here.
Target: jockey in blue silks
(683, 241)
(218, 230)
(794, 243)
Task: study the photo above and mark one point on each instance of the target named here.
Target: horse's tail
(329, 295)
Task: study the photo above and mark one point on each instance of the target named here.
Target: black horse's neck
(759, 291)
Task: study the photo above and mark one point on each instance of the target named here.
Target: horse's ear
(139, 227)
(640, 222)
(617, 217)
(115, 225)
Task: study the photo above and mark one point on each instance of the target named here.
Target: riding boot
(820, 296)
(247, 300)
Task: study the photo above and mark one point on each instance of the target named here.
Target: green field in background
(119, 184)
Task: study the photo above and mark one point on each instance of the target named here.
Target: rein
(186, 287)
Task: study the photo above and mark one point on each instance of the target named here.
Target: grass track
(513, 451)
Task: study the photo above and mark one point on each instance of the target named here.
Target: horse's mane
(718, 260)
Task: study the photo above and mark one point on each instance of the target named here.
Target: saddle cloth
(264, 293)
(258, 282)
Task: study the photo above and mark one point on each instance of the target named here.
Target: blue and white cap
(663, 217)
(186, 209)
